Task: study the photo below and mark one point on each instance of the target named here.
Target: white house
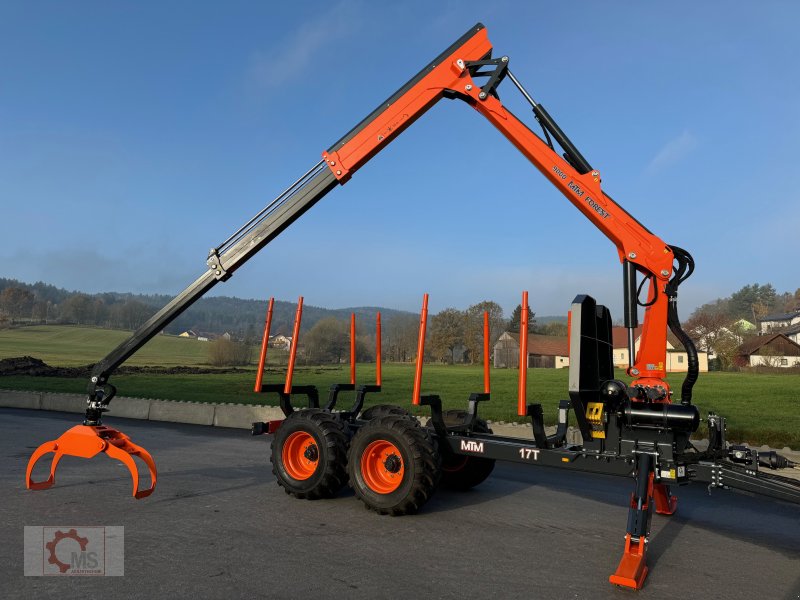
(280, 341)
(772, 323)
(793, 333)
(553, 352)
(677, 360)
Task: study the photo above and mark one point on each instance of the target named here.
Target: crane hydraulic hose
(683, 269)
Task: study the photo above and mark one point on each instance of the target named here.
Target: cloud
(270, 69)
(672, 152)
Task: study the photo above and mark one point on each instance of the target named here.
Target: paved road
(219, 527)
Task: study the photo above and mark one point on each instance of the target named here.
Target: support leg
(666, 503)
(632, 569)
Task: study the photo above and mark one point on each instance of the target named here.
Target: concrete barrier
(132, 408)
(194, 413)
(241, 416)
(17, 399)
(74, 403)
(238, 416)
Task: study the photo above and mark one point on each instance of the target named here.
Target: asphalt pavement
(218, 526)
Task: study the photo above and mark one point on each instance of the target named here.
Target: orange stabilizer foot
(87, 441)
(666, 503)
(632, 569)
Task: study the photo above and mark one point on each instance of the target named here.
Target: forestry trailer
(638, 428)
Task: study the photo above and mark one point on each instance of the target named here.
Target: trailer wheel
(384, 410)
(309, 454)
(394, 465)
(461, 472)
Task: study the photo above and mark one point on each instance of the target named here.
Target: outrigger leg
(632, 569)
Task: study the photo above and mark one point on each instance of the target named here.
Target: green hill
(65, 345)
(44, 303)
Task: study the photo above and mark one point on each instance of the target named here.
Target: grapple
(87, 441)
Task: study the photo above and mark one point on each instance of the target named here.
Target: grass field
(760, 408)
(67, 346)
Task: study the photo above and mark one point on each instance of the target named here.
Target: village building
(771, 350)
(677, 359)
(280, 341)
(793, 333)
(546, 351)
(202, 336)
(776, 322)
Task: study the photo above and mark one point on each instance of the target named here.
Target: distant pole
(264, 342)
(287, 389)
(423, 321)
(353, 348)
(486, 385)
(378, 350)
(522, 408)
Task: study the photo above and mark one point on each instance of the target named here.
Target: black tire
(460, 472)
(325, 463)
(384, 410)
(414, 453)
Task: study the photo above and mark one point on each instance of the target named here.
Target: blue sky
(135, 136)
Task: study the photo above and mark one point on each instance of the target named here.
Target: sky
(134, 136)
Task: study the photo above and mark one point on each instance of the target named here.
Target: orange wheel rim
(382, 467)
(456, 465)
(300, 455)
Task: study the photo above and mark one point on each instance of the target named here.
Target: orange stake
(353, 348)
(287, 389)
(522, 408)
(264, 342)
(569, 332)
(423, 321)
(486, 385)
(378, 350)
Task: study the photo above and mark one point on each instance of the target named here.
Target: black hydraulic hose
(683, 269)
(691, 352)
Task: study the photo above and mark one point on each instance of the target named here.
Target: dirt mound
(24, 365)
(28, 365)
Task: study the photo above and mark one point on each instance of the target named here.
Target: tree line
(40, 303)
(452, 336)
(752, 303)
(719, 326)
(21, 305)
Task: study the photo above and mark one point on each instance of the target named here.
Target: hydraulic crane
(630, 429)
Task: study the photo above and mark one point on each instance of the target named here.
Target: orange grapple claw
(87, 441)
